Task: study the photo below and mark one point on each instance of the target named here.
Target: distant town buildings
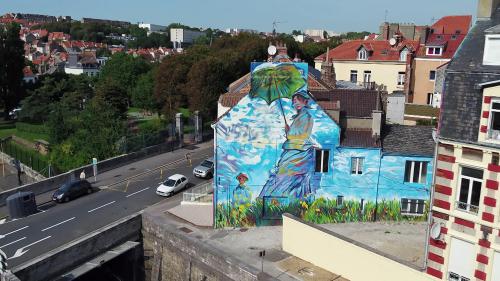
(180, 36)
(236, 31)
(403, 58)
(105, 21)
(153, 28)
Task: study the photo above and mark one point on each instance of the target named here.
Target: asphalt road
(58, 224)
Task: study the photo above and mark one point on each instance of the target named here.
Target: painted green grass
(319, 211)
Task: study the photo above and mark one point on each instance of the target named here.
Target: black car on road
(72, 190)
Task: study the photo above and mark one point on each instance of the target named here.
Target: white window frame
(487, 49)
(322, 151)
(412, 169)
(468, 205)
(350, 76)
(434, 51)
(358, 163)
(367, 74)
(493, 134)
(362, 54)
(401, 78)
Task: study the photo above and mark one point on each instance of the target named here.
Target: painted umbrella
(275, 83)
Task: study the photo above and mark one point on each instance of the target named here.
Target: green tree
(11, 67)
(124, 69)
(296, 32)
(143, 93)
(97, 134)
(110, 93)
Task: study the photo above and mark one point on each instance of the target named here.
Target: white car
(171, 185)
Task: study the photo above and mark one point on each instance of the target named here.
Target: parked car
(72, 190)
(205, 169)
(171, 185)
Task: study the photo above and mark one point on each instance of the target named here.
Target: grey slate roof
(408, 140)
(462, 97)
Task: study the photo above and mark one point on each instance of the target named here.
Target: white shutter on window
(462, 258)
(495, 274)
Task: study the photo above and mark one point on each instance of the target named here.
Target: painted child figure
(242, 194)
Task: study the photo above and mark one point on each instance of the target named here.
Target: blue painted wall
(255, 147)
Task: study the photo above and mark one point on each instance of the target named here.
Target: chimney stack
(328, 71)
(486, 9)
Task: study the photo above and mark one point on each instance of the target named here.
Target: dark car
(72, 190)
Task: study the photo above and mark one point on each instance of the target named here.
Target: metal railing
(198, 192)
(469, 208)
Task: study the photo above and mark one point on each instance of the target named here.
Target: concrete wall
(66, 257)
(53, 183)
(342, 255)
(172, 255)
(383, 73)
(420, 78)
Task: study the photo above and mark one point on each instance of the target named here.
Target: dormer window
(492, 50)
(403, 54)
(434, 51)
(362, 54)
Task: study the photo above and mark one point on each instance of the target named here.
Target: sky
(334, 15)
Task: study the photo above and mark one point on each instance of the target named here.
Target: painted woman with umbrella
(292, 175)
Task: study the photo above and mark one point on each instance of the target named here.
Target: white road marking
(12, 242)
(58, 224)
(3, 235)
(101, 206)
(131, 194)
(19, 252)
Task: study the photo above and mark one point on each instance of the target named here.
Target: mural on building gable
(278, 151)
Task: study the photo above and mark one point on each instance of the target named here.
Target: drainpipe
(431, 202)
(215, 180)
(378, 181)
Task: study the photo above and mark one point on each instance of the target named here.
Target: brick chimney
(386, 31)
(328, 71)
(486, 9)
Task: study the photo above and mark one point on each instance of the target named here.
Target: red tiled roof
(452, 24)
(379, 50)
(353, 103)
(329, 105)
(40, 32)
(358, 138)
(448, 41)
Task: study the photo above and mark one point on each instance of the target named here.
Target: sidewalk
(124, 172)
(9, 179)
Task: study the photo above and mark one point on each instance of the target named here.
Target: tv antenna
(386, 14)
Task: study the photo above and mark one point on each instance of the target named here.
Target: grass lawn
(9, 128)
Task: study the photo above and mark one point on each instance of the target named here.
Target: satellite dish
(392, 41)
(271, 50)
(435, 231)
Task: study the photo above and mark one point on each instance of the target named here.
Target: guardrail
(195, 194)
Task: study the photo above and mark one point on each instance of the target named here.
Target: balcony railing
(469, 208)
